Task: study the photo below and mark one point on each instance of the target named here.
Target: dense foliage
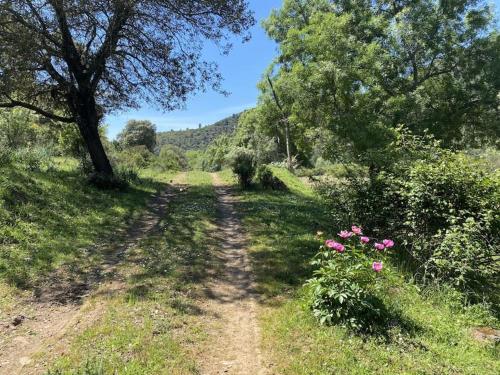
(441, 206)
(201, 138)
(242, 162)
(138, 133)
(171, 158)
(349, 72)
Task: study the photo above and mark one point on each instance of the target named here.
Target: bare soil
(233, 346)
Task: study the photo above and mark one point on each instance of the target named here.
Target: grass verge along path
(59, 305)
(153, 324)
(432, 332)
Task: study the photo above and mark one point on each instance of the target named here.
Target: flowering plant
(347, 278)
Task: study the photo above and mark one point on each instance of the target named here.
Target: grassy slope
(431, 333)
(152, 326)
(52, 218)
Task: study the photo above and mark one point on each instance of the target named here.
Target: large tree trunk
(288, 151)
(90, 135)
(87, 120)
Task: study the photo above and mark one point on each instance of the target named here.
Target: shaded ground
(59, 304)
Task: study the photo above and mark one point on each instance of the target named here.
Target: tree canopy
(361, 68)
(138, 133)
(74, 60)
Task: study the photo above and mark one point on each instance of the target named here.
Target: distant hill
(198, 139)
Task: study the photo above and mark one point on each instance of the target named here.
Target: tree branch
(40, 111)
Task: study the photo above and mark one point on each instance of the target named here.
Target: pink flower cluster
(335, 245)
(357, 231)
(386, 244)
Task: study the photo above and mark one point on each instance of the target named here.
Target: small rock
(18, 320)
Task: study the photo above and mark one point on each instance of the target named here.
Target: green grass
(154, 324)
(53, 218)
(430, 332)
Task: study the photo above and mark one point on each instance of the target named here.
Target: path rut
(61, 306)
(234, 344)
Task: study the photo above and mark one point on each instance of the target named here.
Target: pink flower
(364, 239)
(339, 247)
(335, 245)
(388, 243)
(330, 243)
(345, 234)
(377, 266)
(379, 246)
(356, 230)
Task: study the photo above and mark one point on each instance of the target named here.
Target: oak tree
(75, 60)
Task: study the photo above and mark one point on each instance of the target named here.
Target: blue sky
(241, 69)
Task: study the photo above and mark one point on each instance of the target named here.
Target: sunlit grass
(154, 324)
(431, 332)
(53, 218)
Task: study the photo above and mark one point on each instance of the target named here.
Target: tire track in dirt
(234, 339)
(62, 305)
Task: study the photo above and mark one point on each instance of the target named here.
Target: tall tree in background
(138, 133)
(74, 60)
(360, 68)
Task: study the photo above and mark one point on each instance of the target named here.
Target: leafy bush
(443, 207)
(171, 158)
(16, 128)
(243, 165)
(135, 158)
(216, 155)
(33, 158)
(345, 284)
(268, 180)
(138, 133)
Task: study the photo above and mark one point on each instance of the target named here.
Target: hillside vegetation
(198, 139)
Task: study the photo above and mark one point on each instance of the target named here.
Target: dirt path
(233, 346)
(63, 305)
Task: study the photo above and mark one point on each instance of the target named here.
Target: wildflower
(330, 243)
(339, 247)
(377, 266)
(345, 234)
(356, 230)
(364, 239)
(388, 243)
(379, 246)
(319, 233)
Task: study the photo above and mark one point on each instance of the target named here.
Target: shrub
(137, 157)
(216, 154)
(171, 158)
(268, 180)
(138, 133)
(347, 279)
(242, 164)
(6, 156)
(33, 158)
(443, 207)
